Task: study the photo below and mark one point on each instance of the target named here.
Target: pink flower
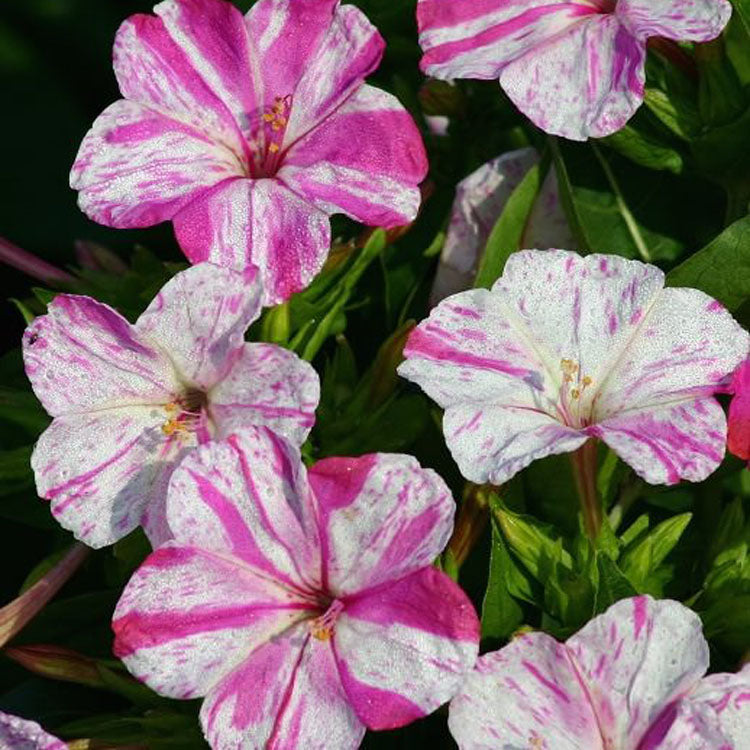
(249, 132)
(303, 605)
(20, 734)
(574, 68)
(480, 200)
(129, 400)
(629, 680)
(738, 434)
(563, 349)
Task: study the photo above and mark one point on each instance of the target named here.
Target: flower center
(324, 626)
(185, 413)
(574, 401)
(267, 141)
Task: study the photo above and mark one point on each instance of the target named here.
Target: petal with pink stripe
(585, 83)
(351, 163)
(492, 443)
(526, 695)
(21, 734)
(84, 355)
(199, 319)
(636, 659)
(685, 346)
(187, 616)
(684, 20)
(382, 516)
(664, 444)
(287, 695)
(214, 38)
(137, 167)
(404, 649)
(268, 385)
(154, 70)
(257, 222)
(478, 38)
(248, 496)
(102, 469)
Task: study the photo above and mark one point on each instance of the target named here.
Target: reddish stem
(584, 469)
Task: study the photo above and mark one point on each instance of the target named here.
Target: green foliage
(672, 187)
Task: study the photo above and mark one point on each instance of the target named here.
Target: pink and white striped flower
(248, 132)
(564, 349)
(129, 400)
(629, 680)
(574, 68)
(479, 202)
(21, 734)
(303, 605)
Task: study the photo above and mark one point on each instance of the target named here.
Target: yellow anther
(586, 381)
(269, 117)
(171, 426)
(568, 366)
(322, 633)
(575, 393)
(172, 407)
(273, 148)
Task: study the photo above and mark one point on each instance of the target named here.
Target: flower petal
(404, 649)
(686, 346)
(268, 385)
(382, 516)
(215, 40)
(636, 659)
(585, 83)
(317, 52)
(136, 167)
(493, 443)
(684, 20)
(20, 734)
(477, 38)
(188, 616)
(177, 79)
(84, 355)
(257, 222)
(354, 163)
(199, 319)
(103, 469)
(738, 428)
(287, 695)
(525, 695)
(247, 496)
(668, 443)
(480, 200)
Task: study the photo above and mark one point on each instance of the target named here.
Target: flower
(129, 400)
(303, 605)
(249, 132)
(20, 734)
(576, 68)
(738, 433)
(480, 199)
(629, 680)
(563, 349)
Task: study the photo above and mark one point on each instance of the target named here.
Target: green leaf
(501, 613)
(613, 584)
(641, 560)
(644, 150)
(507, 233)
(722, 268)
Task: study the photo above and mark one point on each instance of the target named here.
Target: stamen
(323, 627)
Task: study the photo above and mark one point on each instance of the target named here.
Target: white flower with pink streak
(20, 734)
(631, 679)
(128, 401)
(574, 68)
(248, 132)
(302, 604)
(564, 349)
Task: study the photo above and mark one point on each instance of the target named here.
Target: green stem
(622, 206)
(584, 469)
